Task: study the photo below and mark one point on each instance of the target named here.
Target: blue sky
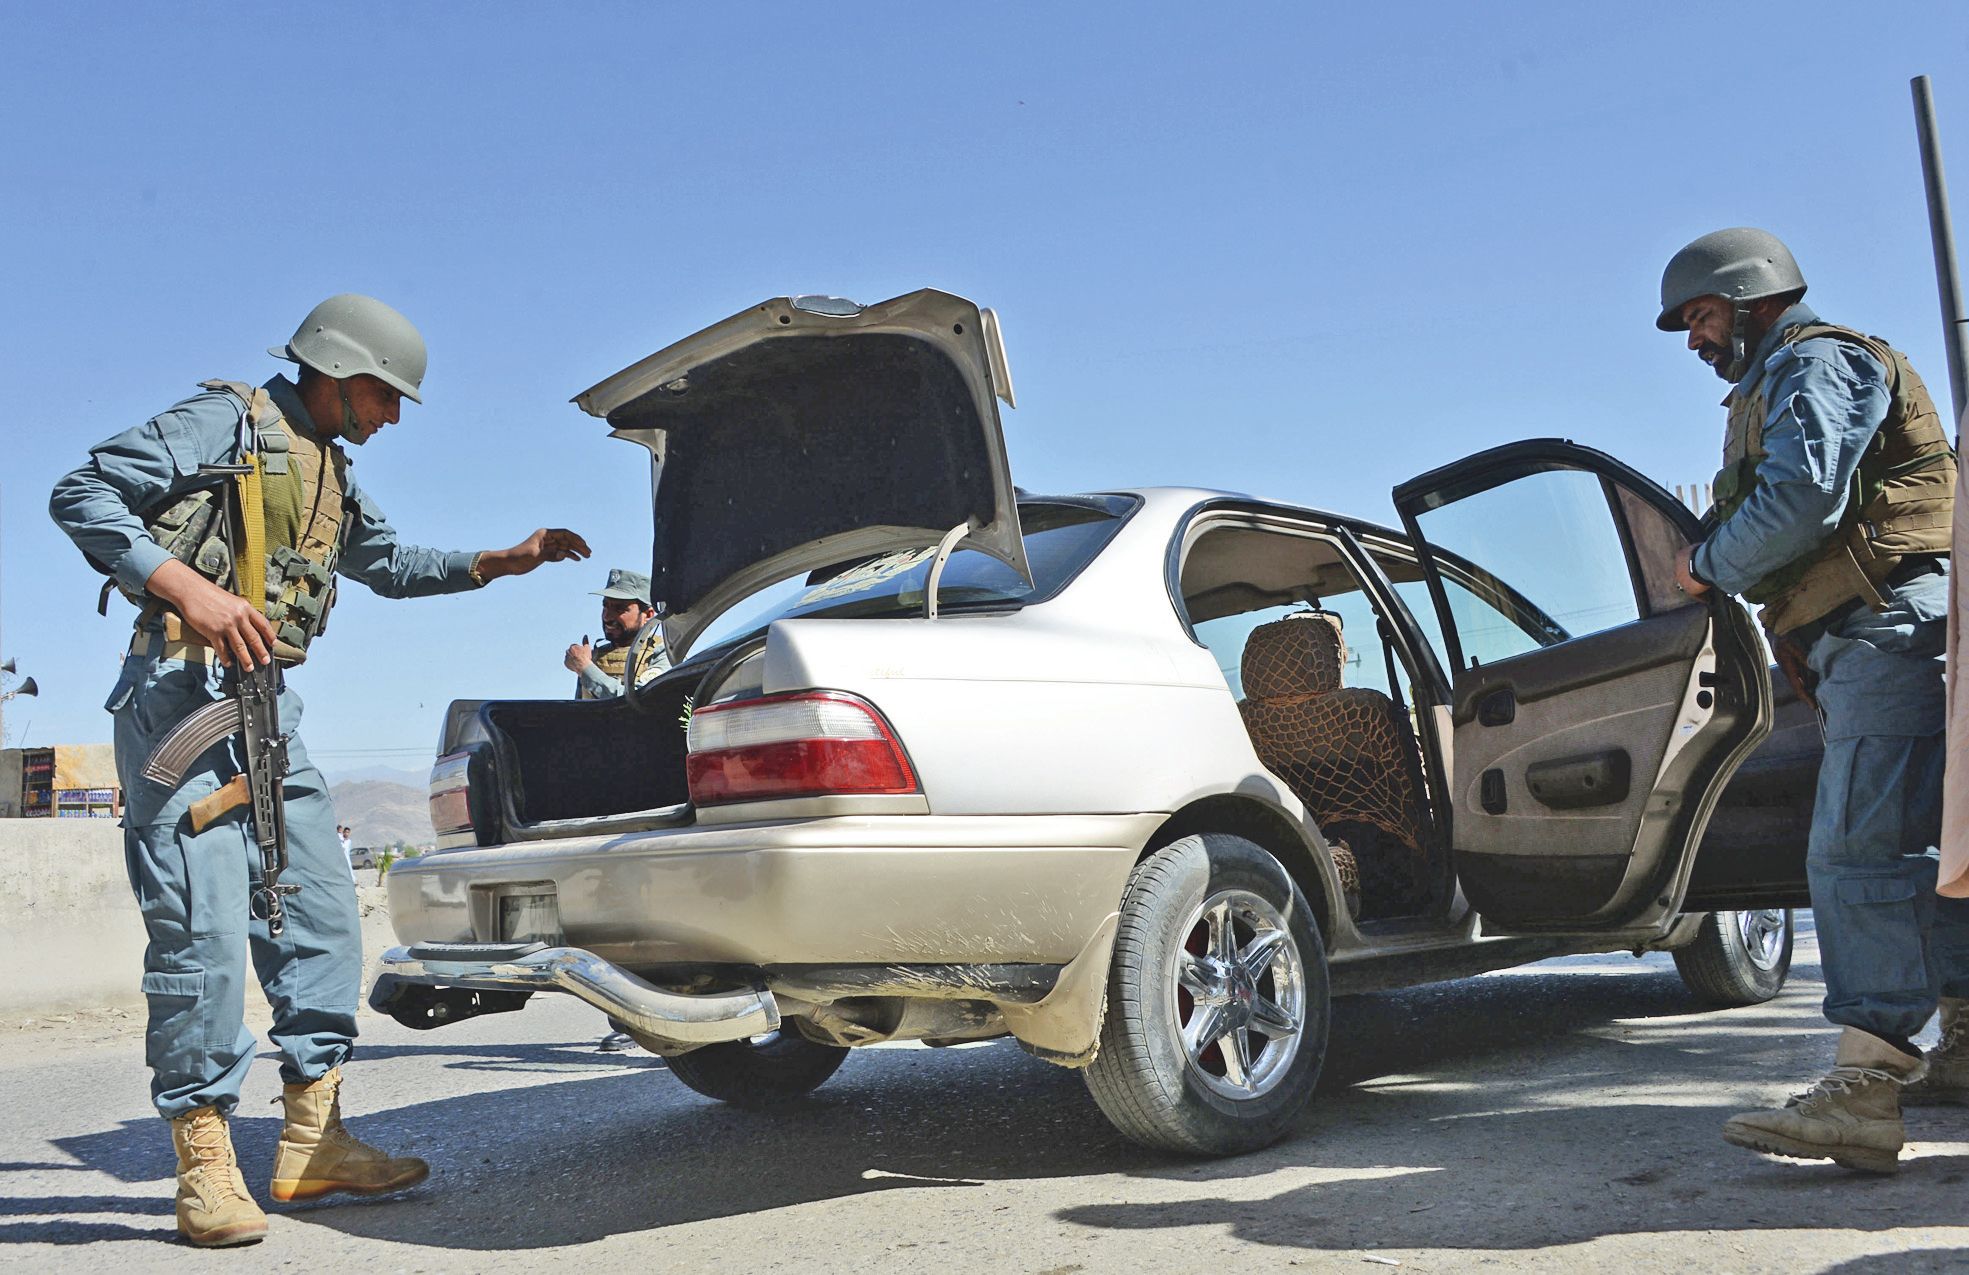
(1304, 251)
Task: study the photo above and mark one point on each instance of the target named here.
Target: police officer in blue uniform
(601, 672)
(134, 509)
(1833, 509)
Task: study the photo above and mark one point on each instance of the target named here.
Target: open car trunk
(567, 767)
(810, 431)
(800, 435)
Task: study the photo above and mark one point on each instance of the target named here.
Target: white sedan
(1140, 778)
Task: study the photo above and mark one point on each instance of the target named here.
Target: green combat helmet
(1740, 265)
(350, 334)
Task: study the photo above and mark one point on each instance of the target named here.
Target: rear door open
(1597, 712)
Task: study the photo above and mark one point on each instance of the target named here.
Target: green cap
(630, 586)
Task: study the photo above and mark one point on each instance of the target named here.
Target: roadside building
(65, 781)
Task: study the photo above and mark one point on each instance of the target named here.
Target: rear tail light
(816, 743)
(451, 794)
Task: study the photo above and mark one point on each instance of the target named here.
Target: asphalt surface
(1562, 1117)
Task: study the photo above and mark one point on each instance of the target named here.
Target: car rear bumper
(851, 889)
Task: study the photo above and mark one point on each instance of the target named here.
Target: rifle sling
(250, 570)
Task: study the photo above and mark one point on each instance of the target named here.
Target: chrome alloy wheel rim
(1237, 987)
(1762, 932)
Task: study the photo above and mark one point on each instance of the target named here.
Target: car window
(1366, 664)
(1061, 537)
(1491, 632)
(1546, 548)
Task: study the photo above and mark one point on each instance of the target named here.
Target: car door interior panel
(1674, 637)
(1632, 717)
(1596, 711)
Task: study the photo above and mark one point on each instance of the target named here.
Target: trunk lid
(808, 432)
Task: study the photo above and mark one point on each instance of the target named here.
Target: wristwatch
(1695, 575)
(473, 570)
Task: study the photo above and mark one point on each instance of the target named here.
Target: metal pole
(3, 649)
(1947, 278)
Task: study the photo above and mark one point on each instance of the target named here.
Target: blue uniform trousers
(193, 892)
(1888, 944)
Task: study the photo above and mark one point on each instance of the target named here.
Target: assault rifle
(251, 710)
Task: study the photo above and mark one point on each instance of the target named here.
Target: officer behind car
(140, 512)
(1833, 511)
(600, 670)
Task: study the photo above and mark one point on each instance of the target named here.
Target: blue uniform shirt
(1824, 401)
(99, 503)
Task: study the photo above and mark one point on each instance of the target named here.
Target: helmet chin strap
(1739, 343)
(349, 433)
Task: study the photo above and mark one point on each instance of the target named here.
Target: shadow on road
(1912, 1261)
(68, 1233)
(550, 1058)
(1514, 1084)
(1528, 1141)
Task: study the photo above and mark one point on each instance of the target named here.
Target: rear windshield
(1061, 536)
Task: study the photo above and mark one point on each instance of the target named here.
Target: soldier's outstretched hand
(548, 544)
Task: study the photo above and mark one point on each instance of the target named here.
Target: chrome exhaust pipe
(667, 1018)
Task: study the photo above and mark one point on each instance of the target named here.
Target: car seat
(1342, 752)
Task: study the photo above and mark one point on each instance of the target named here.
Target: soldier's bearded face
(1710, 320)
(621, 618)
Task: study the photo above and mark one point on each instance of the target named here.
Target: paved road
(1557, 1118)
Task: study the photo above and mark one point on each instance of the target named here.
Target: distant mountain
(381, 814)
(409, 776)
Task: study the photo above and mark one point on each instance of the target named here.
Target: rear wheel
(1217, 1001)
(766, 1071)
(1738, 958)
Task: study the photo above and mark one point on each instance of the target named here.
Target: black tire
(1146, 1079)
(1738, 958)
(768, 1071)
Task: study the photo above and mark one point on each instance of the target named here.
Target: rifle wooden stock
(214, 806)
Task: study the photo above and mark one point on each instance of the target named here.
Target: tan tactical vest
(294, 503)
(612, 660)
(1901, 503)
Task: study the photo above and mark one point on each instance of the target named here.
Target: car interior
(1326, 701)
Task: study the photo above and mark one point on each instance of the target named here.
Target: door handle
(1499, 708)
(1576, 783)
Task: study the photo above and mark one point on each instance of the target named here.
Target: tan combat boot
(318, 1156)
(1852, 1117)
(214, 1208)
(1948, 1062)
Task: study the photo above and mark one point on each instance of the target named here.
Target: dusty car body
(1140, 778)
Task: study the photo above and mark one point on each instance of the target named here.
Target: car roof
(1172, 502)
